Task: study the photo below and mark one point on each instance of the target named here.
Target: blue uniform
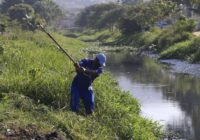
(82, 87)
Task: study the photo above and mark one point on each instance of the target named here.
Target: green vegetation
(35, 89)
(175, 41)
(135, 23)
(188, 50)
(124, 17)
(46, 10)
(36, 78)
(104, 36)
(94, 16)
(17, 11)
(3, 23)
(178, 51)
(180, 31)
(193, 4)
(147, 15)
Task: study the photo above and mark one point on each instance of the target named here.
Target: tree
(130, 26)
(2, 28)
(91, 16)
(196, 4)
(186, 2)
(142, 16)
(111, 19)
(6, 4)
(189, 3)
(19, 11)
(47, 9)
(3, 23)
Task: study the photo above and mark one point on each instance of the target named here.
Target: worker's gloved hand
(79, 68)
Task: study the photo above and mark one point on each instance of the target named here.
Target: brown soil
(196, 33)
(29, 133)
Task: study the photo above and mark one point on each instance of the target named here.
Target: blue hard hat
(102, 59)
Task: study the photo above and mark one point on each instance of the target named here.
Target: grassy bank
(105, 37)
(35, 89)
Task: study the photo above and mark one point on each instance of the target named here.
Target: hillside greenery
(157, 26)
(45, 10)
(36, 76)
(174, 42)
(129, 19)
(35, 90)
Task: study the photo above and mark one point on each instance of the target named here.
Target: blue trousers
(86, 95)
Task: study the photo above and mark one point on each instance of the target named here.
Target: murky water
(170, 98)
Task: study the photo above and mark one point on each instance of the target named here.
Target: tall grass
(104, 37)
(177, 51)
(35, 88)
(186, 50)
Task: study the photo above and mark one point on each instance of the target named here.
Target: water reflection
(170, 98)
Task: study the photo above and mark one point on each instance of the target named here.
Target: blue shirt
(82, 81)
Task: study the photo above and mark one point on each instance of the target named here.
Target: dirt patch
(29, 133)
(196, 33)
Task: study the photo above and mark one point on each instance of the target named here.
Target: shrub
(195, 57)
(91, 16)
(188, 50)
(181, 31)
(19, 11)
(1, 48)
(167, 39)
(130, 26)
(177, 51)
(151, 36)
(187, 25)
(141, 17)
(46, 9)
(2, 28)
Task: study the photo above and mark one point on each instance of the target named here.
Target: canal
(169, 97)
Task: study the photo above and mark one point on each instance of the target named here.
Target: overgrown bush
(2, 28)
(195, 56)
(167, 39)
(181, 31)
(45, 9)
(187, 50)
(130, 26)
(93, 16)
(180, 50)
(19, 11)
(1, 48)
(143, 16)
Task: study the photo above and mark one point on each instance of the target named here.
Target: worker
(87, 71)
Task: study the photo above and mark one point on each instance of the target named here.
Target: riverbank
(35, 91)
(167, 94)
(174, 42)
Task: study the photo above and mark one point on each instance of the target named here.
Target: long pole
(59, 46)
(27, 18)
